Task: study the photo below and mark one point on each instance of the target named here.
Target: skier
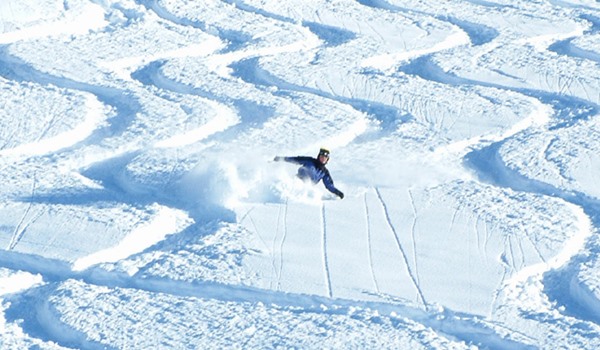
(314, 169)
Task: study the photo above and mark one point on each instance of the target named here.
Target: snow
(140, 206)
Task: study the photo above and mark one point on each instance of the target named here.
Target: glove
(340, 194)
(278, 159)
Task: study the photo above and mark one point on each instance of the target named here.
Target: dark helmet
(323, 152)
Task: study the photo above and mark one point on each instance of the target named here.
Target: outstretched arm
(295, 160)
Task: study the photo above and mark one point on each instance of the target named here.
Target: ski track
(270, 251)
(126, 108)
(54, 272)
(274, 249)
(281, 244)
(324, 250)
(21, 227)
(392, 228)
(563, 93)
(413, 234)
(120, 100)
(370, 243)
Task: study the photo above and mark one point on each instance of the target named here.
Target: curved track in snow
(461, 135)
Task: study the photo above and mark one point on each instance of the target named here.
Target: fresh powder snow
(140, 206)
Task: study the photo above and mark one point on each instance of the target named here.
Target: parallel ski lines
(370, 244)
(21, 226)
(303, 255)
(270, 251)
(400, 248)
(264, 243)
(456, 325)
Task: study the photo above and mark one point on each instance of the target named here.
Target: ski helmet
(323, 152)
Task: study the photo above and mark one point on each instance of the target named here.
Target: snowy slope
(140, 206)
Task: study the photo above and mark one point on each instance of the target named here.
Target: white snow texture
(140, 206)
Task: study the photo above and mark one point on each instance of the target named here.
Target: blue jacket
(312, 169)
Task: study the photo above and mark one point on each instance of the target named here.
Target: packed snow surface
(140, 206)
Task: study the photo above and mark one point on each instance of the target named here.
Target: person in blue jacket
(314, 170)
